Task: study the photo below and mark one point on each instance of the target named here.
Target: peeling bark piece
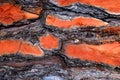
(49, 42)
(10, 13)
(105, 53)
(109, 5)
(28, 48)
(76, 22)
(9, 46)
(30, 15)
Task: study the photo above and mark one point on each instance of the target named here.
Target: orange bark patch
(76, 22)
(9, 46)
(110, 5)
(49, 42)
(27, 48)
(10, 13)
(106, 53)
(14, 46)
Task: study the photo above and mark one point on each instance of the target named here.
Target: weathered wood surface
(59, 40)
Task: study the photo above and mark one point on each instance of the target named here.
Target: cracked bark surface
(54, 64)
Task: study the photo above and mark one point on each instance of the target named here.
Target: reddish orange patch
(76, 22)
(14, 46)
(110, 5)
(49, 42)
(9, 46)
(106, 53)
(10, 13)
(27, 48)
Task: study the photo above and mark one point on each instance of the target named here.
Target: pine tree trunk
(59, 40)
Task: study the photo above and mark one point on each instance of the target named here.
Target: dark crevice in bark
(22, 23)
(28, 33)
(85, 10)
(28, 67)
(84, 35)
(33, 68)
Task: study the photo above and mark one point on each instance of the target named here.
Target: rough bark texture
(59, 40)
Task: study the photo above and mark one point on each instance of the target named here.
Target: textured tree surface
(59, 40)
